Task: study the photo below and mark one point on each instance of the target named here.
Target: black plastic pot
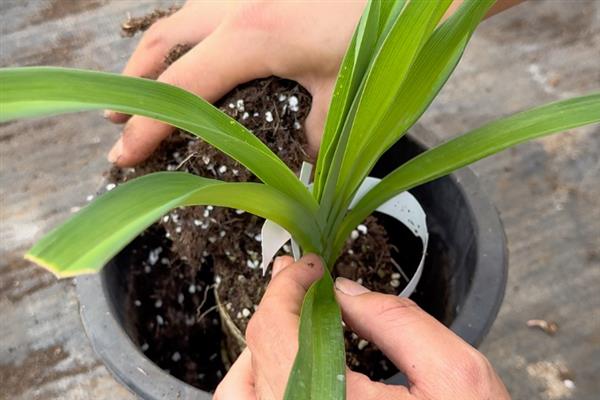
(467, 240)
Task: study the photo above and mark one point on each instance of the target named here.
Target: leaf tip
(57, 271)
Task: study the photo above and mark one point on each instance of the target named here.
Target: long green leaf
(387, 72)
(99, 231)
(470, 147)
(319, 369)
(426, 77)
(354, 65)
(37, 91)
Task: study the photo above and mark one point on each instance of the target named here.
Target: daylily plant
(399, 58)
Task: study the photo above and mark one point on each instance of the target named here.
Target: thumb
(272, 331)
(414, 341)
(315, 121)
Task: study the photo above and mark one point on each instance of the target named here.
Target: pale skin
(438, 364)
(237, 41)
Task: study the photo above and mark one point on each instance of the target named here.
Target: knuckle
(154, 37)
(391, 307)
(254, 328)
(477, 373)
(253, 15)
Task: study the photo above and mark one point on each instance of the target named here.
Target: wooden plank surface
(547, 193)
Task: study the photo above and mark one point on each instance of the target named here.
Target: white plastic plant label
(403, 207)
(273, 236)
(406, 209)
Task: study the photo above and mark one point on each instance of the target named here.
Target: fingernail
(350, 287)
(116, 151)
(277, 266)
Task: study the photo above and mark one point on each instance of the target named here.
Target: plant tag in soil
(273, 236)
(404, 207)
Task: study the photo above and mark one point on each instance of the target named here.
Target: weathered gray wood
(547, 193)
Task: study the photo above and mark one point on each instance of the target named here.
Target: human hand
(437, 363)
(235, 42)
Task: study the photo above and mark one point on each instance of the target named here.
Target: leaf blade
(472, 146)
(99, 231)
(39, 91)
(319, 368)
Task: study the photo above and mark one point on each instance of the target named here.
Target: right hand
(438, 364)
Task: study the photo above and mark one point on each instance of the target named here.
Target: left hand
(261, 371)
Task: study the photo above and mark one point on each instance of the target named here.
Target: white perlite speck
(362, 343)
(246, 313)
(297, 125)
(176, 356)
(394, 283)
(239, 105)
(222, 169)
(293, 103)
(354, 235)
(269, 116)
(90, 197)
(362, 229)
(396, 275)
(110, 186)
(245, 116)
(153, 255)
(569, 384)
(192, 289)
(160, 320)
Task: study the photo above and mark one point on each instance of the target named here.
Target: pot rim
(133, 369)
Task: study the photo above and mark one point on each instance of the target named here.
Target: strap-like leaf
(319, 369)
(354, 65)
(36, 91)
(386, 74)
(426, 77)
(470, 147)
(100, 230)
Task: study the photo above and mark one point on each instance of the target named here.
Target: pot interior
(451, 256)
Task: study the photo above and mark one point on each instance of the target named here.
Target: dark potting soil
(176, 262)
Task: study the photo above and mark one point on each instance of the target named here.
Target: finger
(280, 263)
(286, 291)
(210, 70)
(273, 330)
(360, 387)
(414, 341)
(315, 121)
(148, 59)
(239, 381)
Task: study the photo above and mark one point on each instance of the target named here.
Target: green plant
(399, 58)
